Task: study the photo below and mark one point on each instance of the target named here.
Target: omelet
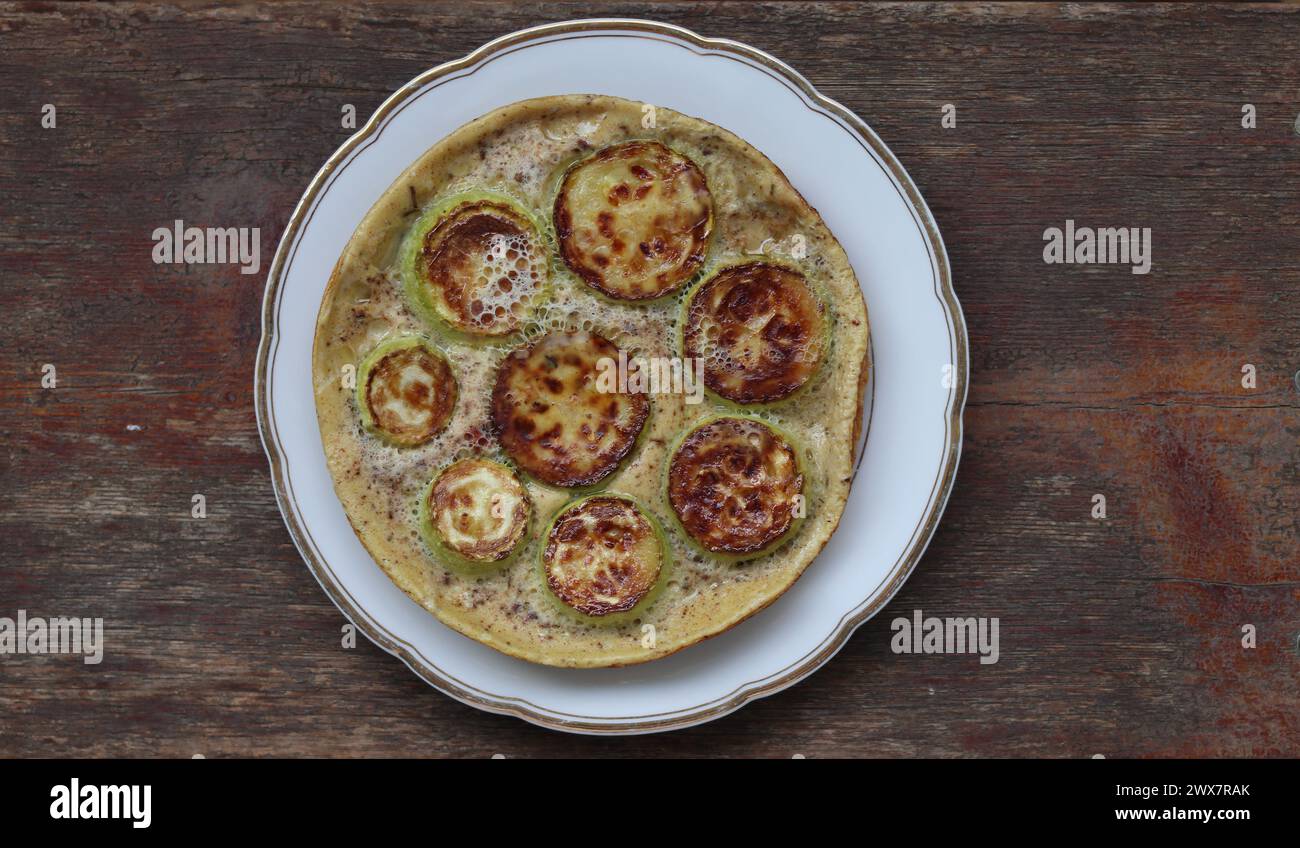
(479, 362)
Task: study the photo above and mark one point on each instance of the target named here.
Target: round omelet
(590, 391)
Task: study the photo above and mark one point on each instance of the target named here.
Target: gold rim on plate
(744, 693)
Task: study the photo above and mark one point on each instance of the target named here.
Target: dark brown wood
(1120, 637)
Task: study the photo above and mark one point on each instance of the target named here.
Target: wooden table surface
(1120, 637)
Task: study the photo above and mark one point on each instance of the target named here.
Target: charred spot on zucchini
(735, 485)
(475, 510)
(474, 263)
(556, 419)
(633, 220)
(406, 391)
(604, 559)
(758, 328)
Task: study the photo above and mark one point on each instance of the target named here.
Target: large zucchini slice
(633, 220)
(604, 559)
(759, 330)
(736, 486)
(475, 264)
(552, 417)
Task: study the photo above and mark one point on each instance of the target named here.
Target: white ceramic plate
(913, 440)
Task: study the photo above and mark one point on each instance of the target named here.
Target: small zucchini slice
(758, 328)
(554, 416)
(736, 485)
(476, 512)
(604, 559)
(474, 264)
(406, 391)
(633, 220)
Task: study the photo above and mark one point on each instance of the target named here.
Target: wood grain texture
(1119, 637)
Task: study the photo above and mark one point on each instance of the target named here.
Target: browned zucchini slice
(634, 220)
(735, 485)
(551, 417)
(759, 330)
(477, 511)
(604, 558)
(406, 391)
(474, 264)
